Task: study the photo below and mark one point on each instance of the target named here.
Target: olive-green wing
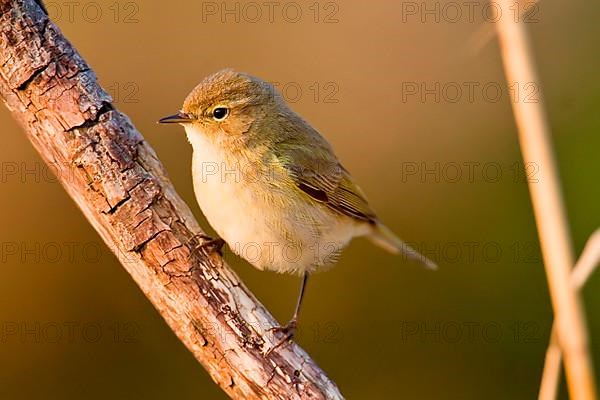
(317, 173)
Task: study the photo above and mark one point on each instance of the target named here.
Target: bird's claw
(208, 243)
(288, 331)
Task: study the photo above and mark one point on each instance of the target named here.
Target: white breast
(255, 222)
(219, 191)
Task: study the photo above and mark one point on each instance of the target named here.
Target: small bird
(270, 185)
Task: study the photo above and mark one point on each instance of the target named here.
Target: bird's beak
(179, 118)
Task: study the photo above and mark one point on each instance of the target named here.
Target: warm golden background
(74, 324)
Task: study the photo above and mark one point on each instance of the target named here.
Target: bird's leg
(289, 330)
(208, 243)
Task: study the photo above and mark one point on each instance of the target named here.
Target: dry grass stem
(550, 216)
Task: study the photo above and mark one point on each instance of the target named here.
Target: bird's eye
(220, 113)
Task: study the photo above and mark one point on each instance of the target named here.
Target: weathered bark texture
(116, 179)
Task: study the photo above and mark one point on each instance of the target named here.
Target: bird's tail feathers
(383, 237)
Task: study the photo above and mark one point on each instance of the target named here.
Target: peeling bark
(123, 190)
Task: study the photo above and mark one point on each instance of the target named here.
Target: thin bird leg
(300, 297)
(289, 330)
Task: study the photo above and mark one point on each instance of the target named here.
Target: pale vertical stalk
(548, 208)
(589, 259)
(551, 374)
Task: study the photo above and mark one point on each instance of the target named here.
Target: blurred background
(415, 103)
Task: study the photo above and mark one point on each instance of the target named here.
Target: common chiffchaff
(270, 185)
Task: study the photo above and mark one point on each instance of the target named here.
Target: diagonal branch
(123, 190)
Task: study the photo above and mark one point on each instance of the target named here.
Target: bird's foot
(208, 243)
(288, 331)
